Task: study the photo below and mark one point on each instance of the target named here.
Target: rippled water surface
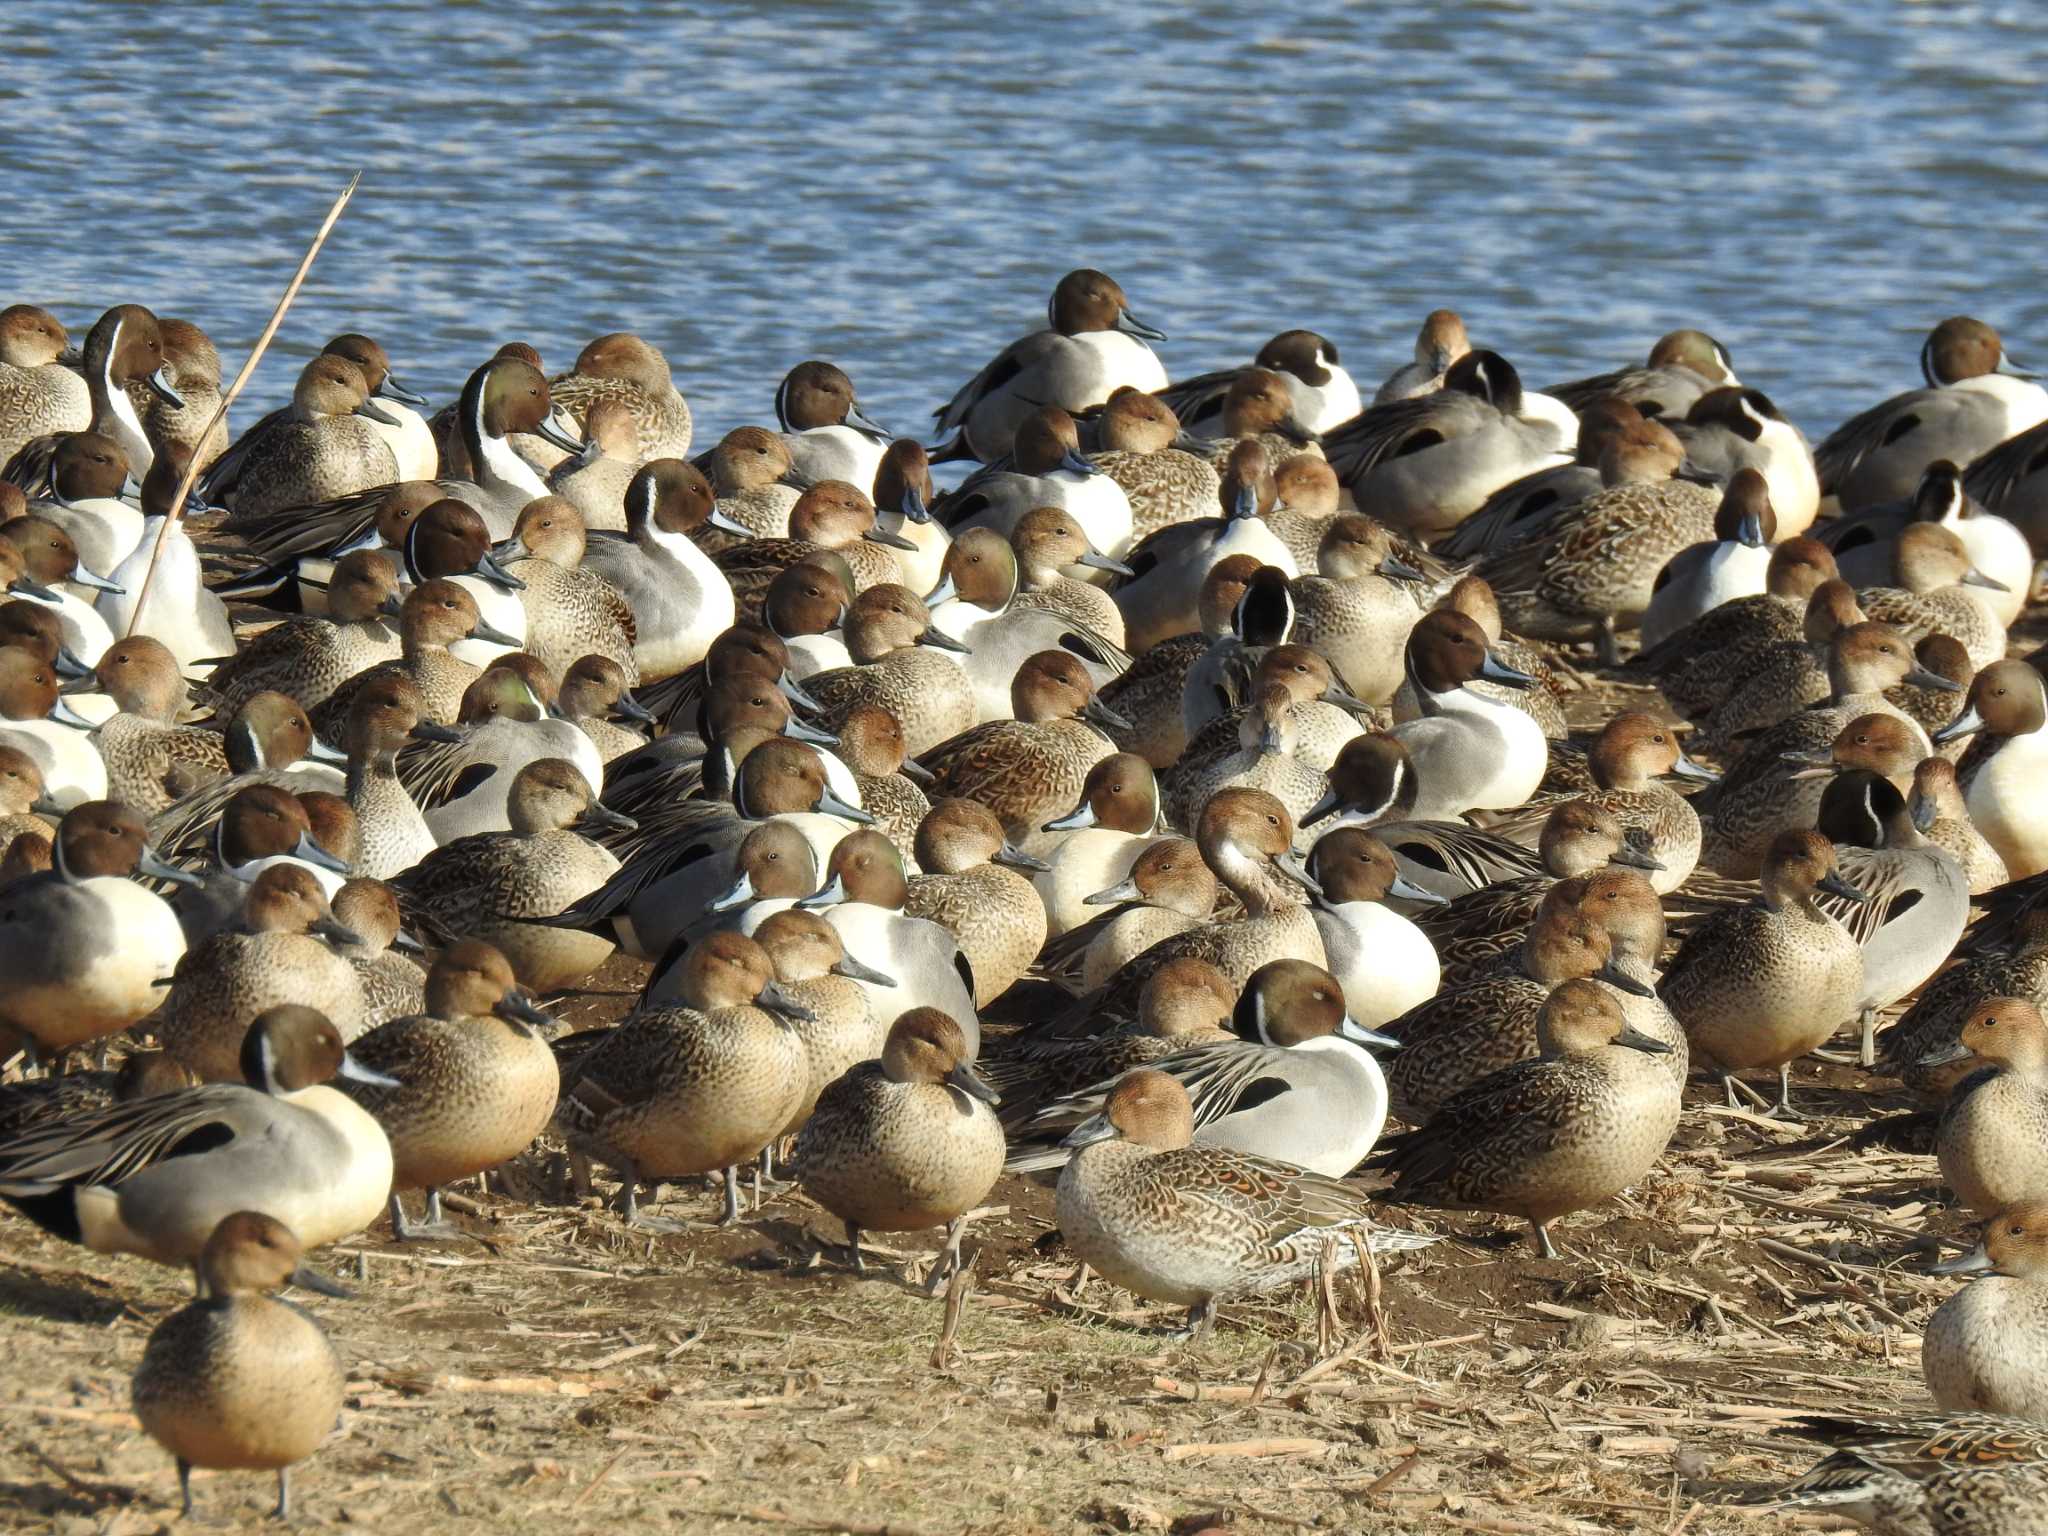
(897, 186)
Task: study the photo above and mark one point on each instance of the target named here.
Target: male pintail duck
(1763, 984)
(1324, 393)
(1534, 505)
(45, 568)
(1731, 429)
(1044, 469)
(88, 479)
(36, 719)
(1092, 344)
(1730, 566)
(507, 403)
(1542, 702)
(474, 1079)
(1153, 1210)
(504, 724)
(179, 608)
(238, 1380)
(805, 607)
(1467, 752)
(257, 823)
(906, 1142)
(972, 887)
(903, 495)
(39, 396)
(1974, 400)
(828, 435)
(156, 1176)
(1983, 1350)
(1150, 695)
(1865, 543)
(2008, 703)
(449, 541)
(36, 1102)
(1093, 846)
(1683, 365)
(1540, 1139)
(1385, 964)
(1991, 1142)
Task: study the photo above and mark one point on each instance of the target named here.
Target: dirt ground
(556, 1372)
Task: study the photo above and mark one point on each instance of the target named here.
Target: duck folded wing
(1218, 1078)
(1446, 1162)
(122, 1140)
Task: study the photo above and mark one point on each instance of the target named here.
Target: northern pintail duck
(1150, 694)
(1466, 752)
(504, 723)
(507, 403)
(748, 472)
(1385, 963)
(1974, 400)
(1092, 344)
(594, 482)
(1258, 747)
(1259, 408)
(1324, 393)
(85, 950)
(1683, 365)
(434, 616)
(393, 983)
(1866, 542)
(1045, 469)
(307, 657)
(1976, 1474)
(39, 396)
(1992, 1141)
(38, 1102)
(1986, 1347)
(1542, 701)
(570, 612)
(1938, 809)
(2017, 967)
(239, 828)
(1046, 541)
(327, 445)
(1357, 608)
(154, 1177)
(472, 1080)
(1137, 441)
(1732, 429)
(21, 790)
(1220, 679)
(1168, 890)
(1030, 767)
(238, 1380)
(406, 434)
(2008, 704)
(45, 568)
(890, 781)
(1785, 676)
(1732, 565)
(1535, 504)
(1587, 1118)
(1426, 464)
(816, 973)
(1184, 1004)
(1763, 984)
(831, 519)
(594, 690)
(192, 368)
(1093, 846)
(978, 888)
(1937, 593)
(284, 951)
(680, 600)
(1698, 666)
(976, 604)
(36, 719)
(805, 607)
(904, 665)
(1152, 1209)
(383, 714)
(1440, 342)
(828, 435)
(906, 1142)
(903, 495)
(178, 608)
(697, 1088)
(448, 541)
(625, 367)
(125, 346)
(88, 474)
(483, 886)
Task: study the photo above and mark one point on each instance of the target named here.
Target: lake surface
(897, 187)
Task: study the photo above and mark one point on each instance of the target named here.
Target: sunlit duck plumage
(1986, 1347)
(38, 394)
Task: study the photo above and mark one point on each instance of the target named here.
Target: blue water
(897, 186)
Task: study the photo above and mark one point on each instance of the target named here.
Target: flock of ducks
(1215, 727)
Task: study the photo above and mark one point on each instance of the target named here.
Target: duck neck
(113, 413)
(1253, 881)
(497, 468)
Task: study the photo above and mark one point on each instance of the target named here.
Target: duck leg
(1542, 1231)
(284, 1495)
(185, 1488)
(949, 1260)
(629, 1205)
(1869, 1023)
(1782, 1110)
(433, 1228)
(1606, 644)
(1201, 1322)
(860, 1265)
(1737, 1085)
(731, 1213)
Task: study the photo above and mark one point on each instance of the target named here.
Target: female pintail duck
(1544, 1138)
(594, 482)
(680, 600)
(1578, 838)
(1866, 544)
(465, 788)
(48, 571)
(257, 825)
(178, 609)
(1093, 846)
(36, 719)
(570, 612)
(307, 657)
(1983, 1350)
(1464, 1033)
(903, 495)
(1357, 608)
(1947, 1475)
(192, 368)
(1732, 565)
(1150, 694)
(1683, 365)
(1937, 593)
(1322, 715)
(698, 1088)
(1161, 598)
(1730, 429)
(2017, 967)
(828, 435)
(1044, 469)
(125, 346)
(1030, 767)
(2008, 703)
(449, 542)
(628, 368)
(1264, 756)
(21, 790)
(237, 1380)
(905, 1142)
(1990, 1139)
(1324, 393)
(748, 472)
(976, 604)
(434, 616)
(86, 949)
(1152, 1209)
(383, 714)
(1222, 674)
(406, 433)
(1169, 890)
(88, 474)
(1974, 400)
(1092, 344)
(1385, 964)
(1596, 573)
(1938, 809)
(1137, 441)
(326, 445)
(1536, 504)
(744, 647)
(475, 1081)
(1631, 913)
(1259, 408)
(890, 782)
(1321, 1100)
(1918, 899)
(865, 897)
(971, 887)
(1629, 760)
(595, 697)
(1788, 675)
(286, 949)
(1467, 752)
(1763, 984)
(1440, 342)
(393, 983)
(481, 886)
(831, 518)
(1306, 500)
(39, 396)
(1426, 464)
(1046, 541)
(1700, 665)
